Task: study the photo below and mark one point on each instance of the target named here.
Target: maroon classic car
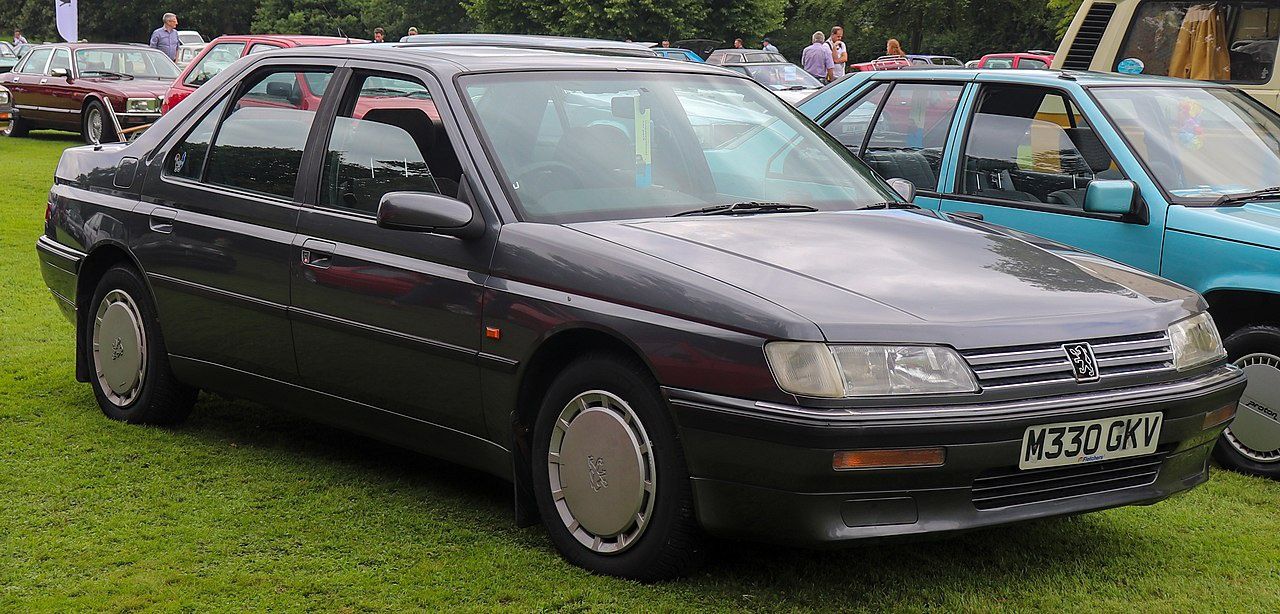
(96, 90)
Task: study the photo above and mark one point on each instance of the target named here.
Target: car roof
(74, 46)
(484, 58)
(530, 41)
(296, 39)
(1044, 77)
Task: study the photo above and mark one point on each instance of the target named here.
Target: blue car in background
(1179, 178)
(684, 55)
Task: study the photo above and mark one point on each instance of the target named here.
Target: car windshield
(136, 63)
(1200, 143)
(782, 76)
(598, 146)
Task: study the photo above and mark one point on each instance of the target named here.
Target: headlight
(1195, 342)
(4, 97)
(143, 105)
(840, 371)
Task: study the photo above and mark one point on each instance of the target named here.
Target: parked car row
(653, 296)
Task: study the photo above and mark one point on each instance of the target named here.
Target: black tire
(157, 397)
(108, 134)
(17, 127)
(1257, 349)
(670, 544)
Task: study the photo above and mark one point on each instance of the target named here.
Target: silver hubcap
(1255, 433)
(95, 125)
(602, 472)
(119, 348)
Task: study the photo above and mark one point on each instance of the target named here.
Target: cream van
(1227, 41)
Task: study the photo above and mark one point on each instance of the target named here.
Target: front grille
(1038, 365)
(1008, 487)
(1085, 45)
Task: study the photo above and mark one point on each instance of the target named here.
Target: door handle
(968, 215)
(317, 254)
(161, 219)
(43, 81)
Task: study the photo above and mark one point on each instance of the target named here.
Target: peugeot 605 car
(649, 293)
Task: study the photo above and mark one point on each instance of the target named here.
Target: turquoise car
(1178, 178)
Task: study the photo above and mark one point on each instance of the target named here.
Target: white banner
(68, 21)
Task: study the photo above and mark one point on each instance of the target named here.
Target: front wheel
(1252, 443)
(17, 127)
(609, 474)
(97, 127)
(131, 378)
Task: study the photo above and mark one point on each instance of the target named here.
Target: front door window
(1032, 146)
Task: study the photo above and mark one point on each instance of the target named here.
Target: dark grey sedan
(649, 293)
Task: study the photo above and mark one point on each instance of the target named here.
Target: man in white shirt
(768, 46)
(839, 53)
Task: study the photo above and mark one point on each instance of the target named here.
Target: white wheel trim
(597, 401)
(106, 350)
(94, 124)
(1253, 414)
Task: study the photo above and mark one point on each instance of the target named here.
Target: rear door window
(259, 146)
(911, 131)
(36, 62)
(261, 47)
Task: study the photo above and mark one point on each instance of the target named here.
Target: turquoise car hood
(1253, 223)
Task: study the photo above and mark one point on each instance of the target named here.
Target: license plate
(1090, 441)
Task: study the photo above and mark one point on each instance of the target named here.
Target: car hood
(135, 88)
(906, 269)
(1256, 223)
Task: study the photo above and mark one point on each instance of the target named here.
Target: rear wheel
(131, 377)
(1252, 443)
(96, 126)
(17, 126)
(609, 475)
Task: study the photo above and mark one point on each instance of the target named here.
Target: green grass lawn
(248, 508)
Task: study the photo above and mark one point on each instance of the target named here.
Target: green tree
(635, 19)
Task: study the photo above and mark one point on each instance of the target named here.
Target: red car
(224, 50)
(884, 62)
(96, 90)
(1030, 59)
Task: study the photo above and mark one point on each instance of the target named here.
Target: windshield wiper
(889, 205)
(1243, 197)
(746, 207)
(106, 73)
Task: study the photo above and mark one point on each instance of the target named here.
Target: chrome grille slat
(1047, 364)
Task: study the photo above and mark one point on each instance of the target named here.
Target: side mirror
(1110, 196)
(428, 212)
(904, 188)
(276, 89)
(60, 73)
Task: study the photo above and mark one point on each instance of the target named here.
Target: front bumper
(764, 473)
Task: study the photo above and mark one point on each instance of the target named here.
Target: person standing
(816, 58)
(379, 35)
(839, 52)
(18, 38)
(768, 46)
(666, 44)
(413, 31)
(165, 38)
(893, 47)
(737, 43)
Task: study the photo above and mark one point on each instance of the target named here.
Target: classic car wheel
(609, 474)
(97, 126)
(17, 127)
(1252, 443)
(131, 377)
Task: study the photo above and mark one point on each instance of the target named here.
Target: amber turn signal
(905, 457)
(1220, 415)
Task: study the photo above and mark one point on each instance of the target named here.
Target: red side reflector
(492, 333)
(907, 457)
(1220, 415)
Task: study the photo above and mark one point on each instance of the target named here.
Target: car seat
(1095, 157)
(903, 164)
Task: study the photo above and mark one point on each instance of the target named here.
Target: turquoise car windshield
(579, 146)
(1199, 143)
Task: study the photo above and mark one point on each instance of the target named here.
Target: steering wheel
(549, 176)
